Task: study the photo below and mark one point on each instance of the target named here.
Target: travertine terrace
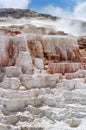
(42, 75)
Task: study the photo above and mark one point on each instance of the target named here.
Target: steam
(71, 26)
(68, 25)
(79, 11)
(71, 22)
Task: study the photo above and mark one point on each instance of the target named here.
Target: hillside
(71, 26)
(19, 13)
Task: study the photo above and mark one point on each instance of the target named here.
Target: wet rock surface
(42, 79)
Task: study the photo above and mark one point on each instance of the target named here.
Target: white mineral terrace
(42, 75)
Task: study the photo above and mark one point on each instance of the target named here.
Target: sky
(65, 8)
(60, 3)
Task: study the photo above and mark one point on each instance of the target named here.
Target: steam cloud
(72, 22)
(79, 11)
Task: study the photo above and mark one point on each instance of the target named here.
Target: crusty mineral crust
(42, 78)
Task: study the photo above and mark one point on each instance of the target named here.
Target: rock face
(42, 77)
(8, 51)
(26, 51)
(65, 67)
(82, 46)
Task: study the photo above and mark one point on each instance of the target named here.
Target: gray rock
(14, 105)
(25, 62)
(13, 71)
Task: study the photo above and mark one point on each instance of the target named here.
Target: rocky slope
(42, 75)
(19, 13)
